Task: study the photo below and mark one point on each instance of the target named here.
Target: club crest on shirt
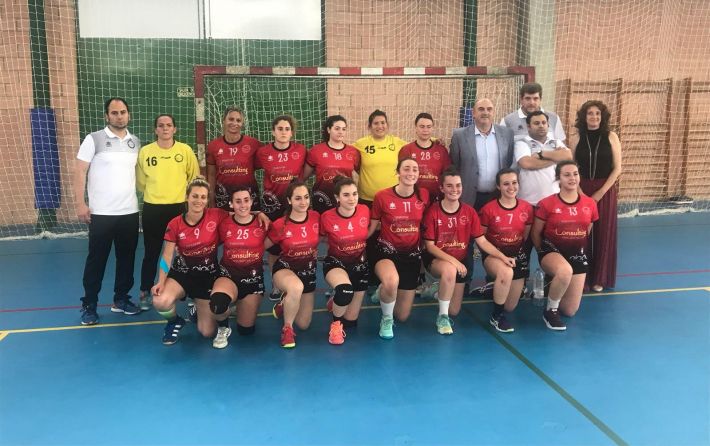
(211, 226)
(246, 149)
(523, 216)
(295, 155)
(586, 210)
(363, 222)
(463, 219)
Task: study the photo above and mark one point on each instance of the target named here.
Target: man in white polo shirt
(536, 156)
(530, 101)
(109, 157)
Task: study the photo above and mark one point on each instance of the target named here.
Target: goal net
(61, 60)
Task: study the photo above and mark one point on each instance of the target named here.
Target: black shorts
(196, 285)
(578, 261)
(358, 272)
(307, 274)
(322, 201)
(427, 260)
(407, 264)
(247, 282)
(522, 264)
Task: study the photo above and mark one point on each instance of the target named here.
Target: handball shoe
(89, 315)
(443, 325)
(552, 320)
(288, 337)
(336, 336)
(172, 329)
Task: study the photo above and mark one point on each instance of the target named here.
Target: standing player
(295, 238)
(230, 161)
(397, 253)
(193, 238)
(329, 159)
(506, 223)
(109, 157)
(243, 237)
(282, 161)
(560, 233)
(430, 154)
(379, 153)
(165, 167)
(449, 226)
(345, 267)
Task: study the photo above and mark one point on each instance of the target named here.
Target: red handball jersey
(196, 245)
(280, 167)
(452, 232)
(432, 162)
(298, 240)
(506, 227)
(329, 163)
(566, 224)
(243, 244)
(234, 163)
(347, 236)
(400, 218)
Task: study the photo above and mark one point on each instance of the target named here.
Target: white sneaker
(222, 338)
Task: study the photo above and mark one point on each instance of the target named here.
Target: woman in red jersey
(560, 234)
(431, 155)
(396, 255)
(328, 159)
(282, 161)
(294, 237)
(449, 226)
(345, 266)
(243, 238)
(230, 161)
(506, 222)
(193, 238)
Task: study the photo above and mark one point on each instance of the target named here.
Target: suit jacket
(463, 156)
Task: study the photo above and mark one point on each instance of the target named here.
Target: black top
(593, 154)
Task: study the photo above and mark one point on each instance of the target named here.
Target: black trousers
(121, 231)
(155, 219)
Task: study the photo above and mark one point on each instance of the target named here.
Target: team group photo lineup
(391, 218)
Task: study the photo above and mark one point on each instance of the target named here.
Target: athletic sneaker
(336, 336)
(288, 337)
(278, 310)
(172, 328)
(386, 324)
(192, 313)
(430, 291)
(144, 301)
(375, 297)
(125, 306)
(89, 315)
(552, 320)
(329, 304)
(275, 295)
(222, 338)
(443, 325)
(501, 324)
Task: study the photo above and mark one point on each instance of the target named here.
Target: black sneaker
(501, 324)
(552, 320)
(192, 313)
(125, 306)
(89, 315)
(172, 329)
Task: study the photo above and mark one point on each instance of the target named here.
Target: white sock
(387, 308)
(444, 307)
(552, 304)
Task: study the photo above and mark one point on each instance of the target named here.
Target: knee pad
(245, 331)
(348, 323)
(219, 302)
(343, 295)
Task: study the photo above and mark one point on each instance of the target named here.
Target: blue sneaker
(89, 315)
(125, 306)
(172, 329)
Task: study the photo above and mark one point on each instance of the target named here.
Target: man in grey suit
(479, 151)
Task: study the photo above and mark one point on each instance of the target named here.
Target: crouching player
(449, 226)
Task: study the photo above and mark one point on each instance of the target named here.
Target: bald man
(479, 151)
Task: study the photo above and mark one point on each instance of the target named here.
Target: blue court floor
(632, 368)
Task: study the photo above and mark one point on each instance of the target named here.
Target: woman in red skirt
(597, 150)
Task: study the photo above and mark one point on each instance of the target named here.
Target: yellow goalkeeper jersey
(378, 161)
(163, 174)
